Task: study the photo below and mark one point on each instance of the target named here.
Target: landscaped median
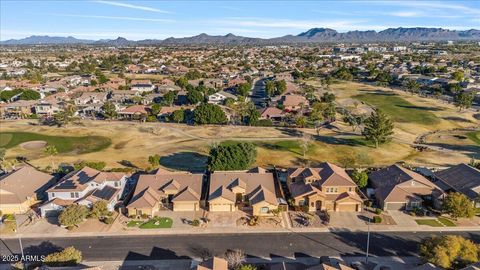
(153, 223)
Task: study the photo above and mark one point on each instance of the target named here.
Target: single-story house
(398, 188)
(253, 189)
(23, 188)
(460, 178)
(178, 191)
(220, 97)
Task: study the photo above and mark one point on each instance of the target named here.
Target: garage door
(347, 207)
(185, 207)
(221, 207)
(51, 213)
(394, 206)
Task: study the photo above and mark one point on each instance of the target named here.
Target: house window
(301, 202)
(349, 189)
(53, 195)
(72, 194)
(116, 184)
(76, 194)
(264, 210)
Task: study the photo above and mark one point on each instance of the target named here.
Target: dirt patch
(33, 145)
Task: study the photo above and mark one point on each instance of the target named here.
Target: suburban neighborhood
(292, 146)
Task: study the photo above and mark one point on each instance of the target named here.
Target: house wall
(18, 208)
(67, 195)
(136, 211)
(257, 209)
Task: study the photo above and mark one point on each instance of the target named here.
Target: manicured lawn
(157, 222)
(474, 136)
(287, 145)
(64, 144)
(399, 109)
(447, 222)
(428, 222)
(134, 223)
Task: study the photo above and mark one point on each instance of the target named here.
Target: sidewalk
(227, 230)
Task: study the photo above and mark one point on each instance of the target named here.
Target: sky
(135, 20)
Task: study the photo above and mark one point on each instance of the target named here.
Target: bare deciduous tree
(235, 258)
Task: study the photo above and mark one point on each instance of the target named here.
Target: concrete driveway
(347, 219)
(402, 219)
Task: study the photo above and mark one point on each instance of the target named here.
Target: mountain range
(314, 35)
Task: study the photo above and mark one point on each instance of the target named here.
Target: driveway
(402, 219)
(347, 219)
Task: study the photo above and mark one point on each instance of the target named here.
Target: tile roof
(25, 182)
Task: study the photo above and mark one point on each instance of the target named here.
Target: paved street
(150, 247)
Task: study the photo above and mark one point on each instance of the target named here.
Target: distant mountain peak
(314, 31)
(314, 35)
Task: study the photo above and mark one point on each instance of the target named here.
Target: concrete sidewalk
(227, 230)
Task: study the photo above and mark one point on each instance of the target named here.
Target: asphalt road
(156, 247)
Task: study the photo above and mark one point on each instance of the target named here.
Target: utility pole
(368, 241)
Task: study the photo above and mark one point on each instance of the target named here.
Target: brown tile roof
(327, 174)
(135, 109)
(258, 186)
(214, 263)
(151, 187)
(293, 100)
(25, 182)
(398, 184)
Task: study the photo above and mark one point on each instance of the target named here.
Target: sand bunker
(33, 145)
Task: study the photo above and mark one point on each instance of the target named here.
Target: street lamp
(368, 240)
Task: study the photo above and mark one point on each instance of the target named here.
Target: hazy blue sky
(135, 20)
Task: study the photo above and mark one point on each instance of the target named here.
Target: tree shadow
(472, 150)
(340, 141)
(185, 161)
(127, 163)
(44, 248)
(422, 108)
(457, 119)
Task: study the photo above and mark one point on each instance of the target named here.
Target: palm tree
(51, 150)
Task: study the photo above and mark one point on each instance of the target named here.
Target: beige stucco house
(252, 191)
(163, 190)
(326, 187)
(22, 188)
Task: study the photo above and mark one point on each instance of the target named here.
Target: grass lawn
(64, 144)
(288, 145)
(399, 109)
(157, 222)
(134, 223)
(9, 224)
(428, 222)
(447, 222)
(474, 136)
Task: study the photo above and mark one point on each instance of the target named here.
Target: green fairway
(399, 109)
(64, 144)
(474, 136)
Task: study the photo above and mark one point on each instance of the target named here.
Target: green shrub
(196, 222)
(67, 257)
(368, 203)
(73, 215)
(107, 220)
(377, 219)
(378, 211)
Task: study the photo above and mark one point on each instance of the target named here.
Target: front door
(318, 205)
